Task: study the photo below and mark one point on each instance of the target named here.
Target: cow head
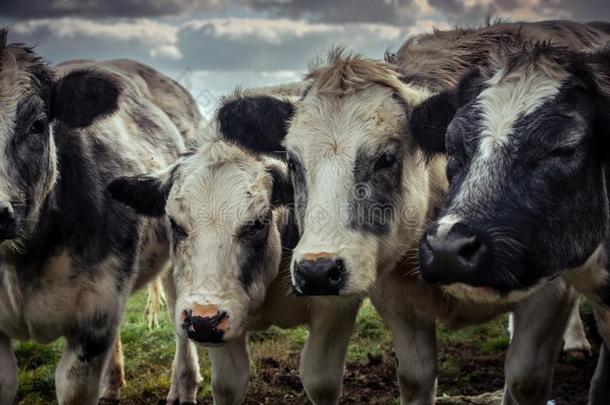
(224, 212)
(358, 185)
(34, 101)
(528, 153)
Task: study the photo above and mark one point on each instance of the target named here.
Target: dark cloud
(219, 44)
(589, 10)
(338, 11)
(448, 6)
(101, 8)
(341, 11)
(276, 44)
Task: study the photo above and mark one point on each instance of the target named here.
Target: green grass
(149, 353)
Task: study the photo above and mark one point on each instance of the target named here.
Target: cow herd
(461, 178)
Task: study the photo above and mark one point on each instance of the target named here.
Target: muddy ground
(374, 381)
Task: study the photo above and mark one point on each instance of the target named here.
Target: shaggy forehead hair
(440, 58)
(555, 62)
(344, 74)
(33, 70)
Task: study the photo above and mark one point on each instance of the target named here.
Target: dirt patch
(373, 381)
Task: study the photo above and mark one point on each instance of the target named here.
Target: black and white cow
(528, 168)
(70, 254)
(231, 241)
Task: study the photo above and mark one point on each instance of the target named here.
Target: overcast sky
(212, 46)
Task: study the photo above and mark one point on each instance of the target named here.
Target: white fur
(507, 100)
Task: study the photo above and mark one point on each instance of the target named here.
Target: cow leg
(230, 371)
(185, 367)
(79, 373)
(600, 384)
(8, 372)
(575, 341)
(114, 376)
(414, 340)
(323, 357)
(536, 345)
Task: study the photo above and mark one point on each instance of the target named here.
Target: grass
(149, 353)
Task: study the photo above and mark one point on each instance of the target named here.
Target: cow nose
(8, 225)
(205, 323)
(452, 257)
(319, 275)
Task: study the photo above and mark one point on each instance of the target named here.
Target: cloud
(337, 11)
(230, 44)
(67, 38)
(342, 11)
(237, 44)
(104, 8)
(576, 9)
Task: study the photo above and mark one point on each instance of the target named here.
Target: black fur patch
(251, 249)
(299, 187)
(82, 96)
(429, 122)
(377, 187)
(147, 195)
(282, 194)
(79, 216)
(430, 119)
(257, 123)
(93, 336)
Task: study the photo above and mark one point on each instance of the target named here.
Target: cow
(70, 254)
(527, 145)
(231, 238)
(365, 191)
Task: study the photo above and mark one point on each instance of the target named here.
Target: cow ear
(429, 121)
(282, 192)
(258, 123)
(82, 96)
(147, 195)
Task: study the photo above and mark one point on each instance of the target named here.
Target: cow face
(354, 176)
(527, 170)
(34, 108)
(224, 223)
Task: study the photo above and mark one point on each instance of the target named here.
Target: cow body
(364, 193)
(231, 239)
(70, 254)
(549, 162)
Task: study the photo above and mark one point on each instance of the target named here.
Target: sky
(214, 46)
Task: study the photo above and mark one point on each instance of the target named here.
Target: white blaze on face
(217, 192)
(445, 224)
(327, 136)
(12, 88)
(508, 99)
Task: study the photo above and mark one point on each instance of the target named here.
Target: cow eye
(256, 227)
(563, 152)
(386, 161)
(291, 164)
(454, 166)
(39, 126)
(178, 232)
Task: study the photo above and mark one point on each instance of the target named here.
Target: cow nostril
(470, 249)
(335, 274)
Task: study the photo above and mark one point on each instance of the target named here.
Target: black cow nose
(205, 324)
(319, 276)
(8, 225)
(455, 256)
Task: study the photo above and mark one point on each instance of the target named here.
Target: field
(470, 363)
